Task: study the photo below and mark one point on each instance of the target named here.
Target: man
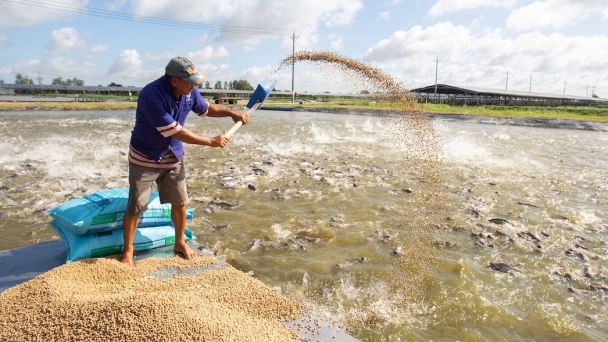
(156, 148)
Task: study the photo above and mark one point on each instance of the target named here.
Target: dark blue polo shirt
(160, 115)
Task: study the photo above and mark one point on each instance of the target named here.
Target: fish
(598, 287)
(501, 267)
(325, 290)
(499, 221)
(577, 291)
(308, 239)
(500, 233)
(255, 245)
(223, 204)
(398, 251)
(580, 254)
(558, 217)
(526, 235)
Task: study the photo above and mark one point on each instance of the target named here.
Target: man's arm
(190, 137)
(220, 112)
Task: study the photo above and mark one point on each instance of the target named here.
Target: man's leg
(178, 215)
(140, 186)
(130, 225)
(172, 189)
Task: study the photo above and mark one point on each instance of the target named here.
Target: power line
(96, 12)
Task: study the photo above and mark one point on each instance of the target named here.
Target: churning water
(323, 206)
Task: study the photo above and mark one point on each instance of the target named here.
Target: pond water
(328, 208)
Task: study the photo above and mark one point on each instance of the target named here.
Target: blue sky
(552, 44)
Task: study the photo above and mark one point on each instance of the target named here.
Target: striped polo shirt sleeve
(200, 106)
(169, 130)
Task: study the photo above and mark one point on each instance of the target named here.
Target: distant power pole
(564, 87)
(587, 93)
(436, 69)
(293, 65)
(507, 84)
(592, 91)
(40, 82)
(530, 84)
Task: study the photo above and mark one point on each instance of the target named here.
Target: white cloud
(484, 59)
(335, 41)
(442, 38)
(19, 14)
(95, 50)
(384, 15)
(99, 48)
(55, 67)
(114, 5)
(554, 13)
(4, 38)
(207, 54)
(442, 7)
(127, 63)
(275, 17)
(64, 41)
(164, 57)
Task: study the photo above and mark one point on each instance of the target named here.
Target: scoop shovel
(257, 99)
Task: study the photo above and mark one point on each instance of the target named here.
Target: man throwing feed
(156, 148)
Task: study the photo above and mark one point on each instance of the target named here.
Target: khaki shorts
(171, 187)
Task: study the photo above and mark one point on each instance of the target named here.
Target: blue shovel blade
(261, 93)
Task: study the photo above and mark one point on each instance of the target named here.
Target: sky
(549, 46)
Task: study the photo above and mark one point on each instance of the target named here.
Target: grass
(66, 106)
(594, 114)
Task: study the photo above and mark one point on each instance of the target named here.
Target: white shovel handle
(240, 123)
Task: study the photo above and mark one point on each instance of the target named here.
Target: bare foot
(126, 257)
(185, 250)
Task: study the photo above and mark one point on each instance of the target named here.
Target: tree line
(232, 85)
(21, 79)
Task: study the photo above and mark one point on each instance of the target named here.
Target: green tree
(114, 85)
(226, 85)
(364, 92)
(241, 85)
(77, 82)
(207, 85)
(218, 85)
(20, 79)
(70, 81)
(58, 81)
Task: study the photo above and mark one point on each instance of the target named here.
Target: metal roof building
(459, 95)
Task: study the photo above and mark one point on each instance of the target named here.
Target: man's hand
(237, 116)
(219, 141)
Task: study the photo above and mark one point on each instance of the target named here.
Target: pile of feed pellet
(104, 300)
